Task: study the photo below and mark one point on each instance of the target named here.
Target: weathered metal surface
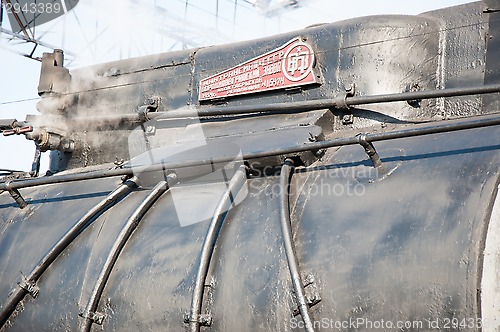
(492, 73)
(461, 60)
(375, 247)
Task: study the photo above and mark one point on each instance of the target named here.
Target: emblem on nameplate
(288, 66)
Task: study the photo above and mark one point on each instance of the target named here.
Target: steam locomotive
(340, 177)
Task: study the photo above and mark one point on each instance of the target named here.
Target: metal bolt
(351, 90)
(205, 320)
(347, 119)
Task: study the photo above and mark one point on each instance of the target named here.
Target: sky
(138, 28)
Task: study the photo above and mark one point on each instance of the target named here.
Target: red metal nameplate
(288, 66)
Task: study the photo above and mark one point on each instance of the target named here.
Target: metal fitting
(16, 195)
(30, 287)
(203, 320)
(51, 141)
(370, 150)
(95, 317)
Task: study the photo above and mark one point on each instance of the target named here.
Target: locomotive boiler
(343, 177)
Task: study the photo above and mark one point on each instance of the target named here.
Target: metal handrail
(235, 184)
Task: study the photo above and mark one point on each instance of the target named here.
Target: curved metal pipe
(286, 229)
(90, 312)
(29, 283)
(235, 185)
